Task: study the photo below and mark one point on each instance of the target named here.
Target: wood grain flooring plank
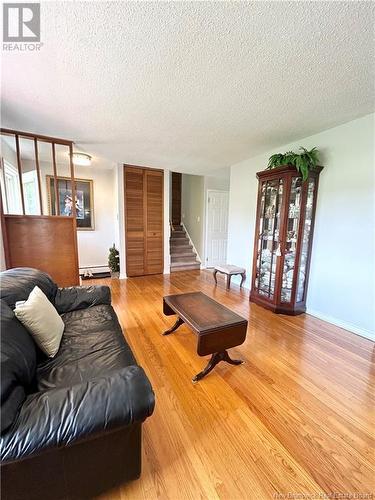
(297, 417)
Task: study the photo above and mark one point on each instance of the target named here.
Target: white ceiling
(192, 86)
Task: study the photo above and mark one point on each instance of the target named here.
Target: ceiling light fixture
(81, 159)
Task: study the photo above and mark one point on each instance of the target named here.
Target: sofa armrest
(67, 415)
(80, 297)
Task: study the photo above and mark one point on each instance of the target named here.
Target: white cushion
(228, 269)
(42, 320)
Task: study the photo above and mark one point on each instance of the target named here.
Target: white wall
(10, 155)
(341, 286)
(93, 246)
(192, 209)
(220, 183)
(8, 151)
(120, 209)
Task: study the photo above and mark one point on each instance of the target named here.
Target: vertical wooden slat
(176, 197)
(134, 221)
(38, 174)
(20, 172)
(154, 221)
(74, 212)
(4, 232)
(145, 222)
(5, 209)
(57, 201)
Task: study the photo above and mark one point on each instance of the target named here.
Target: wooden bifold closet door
(143, 220)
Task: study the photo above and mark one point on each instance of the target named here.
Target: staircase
(183, 257)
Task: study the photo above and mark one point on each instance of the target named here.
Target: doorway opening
(183, 224)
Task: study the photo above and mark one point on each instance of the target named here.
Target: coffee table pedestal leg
(215, 359)
(178, 323)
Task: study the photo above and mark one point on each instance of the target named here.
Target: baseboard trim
(362, 332)
(93, 269)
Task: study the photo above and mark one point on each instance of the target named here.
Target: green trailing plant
(114, 259)
(303, 161)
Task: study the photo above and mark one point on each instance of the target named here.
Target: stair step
(191, 260)
(183, 258)
(184, 266)
(178, 234)
(188, 253)
(178, 249)
(179, 242)
(178, 239)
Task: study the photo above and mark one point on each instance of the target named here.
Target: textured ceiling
(191, 86)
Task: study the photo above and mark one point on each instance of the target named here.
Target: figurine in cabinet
(283, 238)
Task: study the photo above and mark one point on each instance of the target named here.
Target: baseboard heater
(94, 272)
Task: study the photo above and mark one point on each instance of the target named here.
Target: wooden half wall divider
(41, 241)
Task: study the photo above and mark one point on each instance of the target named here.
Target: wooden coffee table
(217, 327)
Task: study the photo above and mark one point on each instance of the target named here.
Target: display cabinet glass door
(291, 238)
(268, 246)
(306, 236)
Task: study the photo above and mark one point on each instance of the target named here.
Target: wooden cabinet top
(285, 170)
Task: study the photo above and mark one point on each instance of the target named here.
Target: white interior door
(217, 227)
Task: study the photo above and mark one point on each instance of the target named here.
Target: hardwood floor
(297, 417)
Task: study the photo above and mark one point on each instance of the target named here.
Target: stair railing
(191, 243)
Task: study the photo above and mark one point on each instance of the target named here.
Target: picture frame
(84, 200)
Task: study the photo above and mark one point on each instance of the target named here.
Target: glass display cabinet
(283, 239)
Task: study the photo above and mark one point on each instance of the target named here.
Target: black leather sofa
(70, 425)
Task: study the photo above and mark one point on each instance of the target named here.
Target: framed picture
(84, 200)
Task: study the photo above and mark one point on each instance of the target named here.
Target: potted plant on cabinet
(303, 161)
(114, 262)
